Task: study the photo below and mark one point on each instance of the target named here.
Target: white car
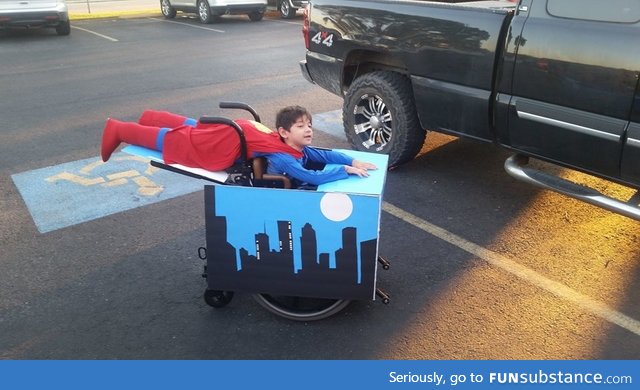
(35, 13)
(207, 10)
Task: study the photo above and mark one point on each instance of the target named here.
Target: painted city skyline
(296, 250)
(245, 217)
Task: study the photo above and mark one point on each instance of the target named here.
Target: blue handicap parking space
(81, 191)
(330, 122)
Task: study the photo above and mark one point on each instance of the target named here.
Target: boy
(216, 146)
(294, 127)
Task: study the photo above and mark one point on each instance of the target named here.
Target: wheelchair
(252, 173)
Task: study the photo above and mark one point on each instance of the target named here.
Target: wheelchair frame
(242, 174)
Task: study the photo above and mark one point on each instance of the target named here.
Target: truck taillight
(305, 26)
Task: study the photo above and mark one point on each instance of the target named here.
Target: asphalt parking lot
(483, 267)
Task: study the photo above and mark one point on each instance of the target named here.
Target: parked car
(288, 8)
(208, 10)
(35, 13)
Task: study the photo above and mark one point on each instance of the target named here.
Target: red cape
(215, 147)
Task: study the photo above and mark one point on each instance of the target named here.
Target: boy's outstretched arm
(363, 165)
(334, 157)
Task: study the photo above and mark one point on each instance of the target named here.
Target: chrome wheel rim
(203, 10)
(284, 7)
(165, 7)
(372, 122)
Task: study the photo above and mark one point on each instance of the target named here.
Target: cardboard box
(321, 244)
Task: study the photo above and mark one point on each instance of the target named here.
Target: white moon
(336, 207)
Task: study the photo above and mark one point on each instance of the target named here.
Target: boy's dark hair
(287, 116)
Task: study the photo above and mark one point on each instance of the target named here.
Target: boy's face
(299, 135)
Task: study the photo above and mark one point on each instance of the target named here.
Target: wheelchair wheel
(217, 298)
(301, 308)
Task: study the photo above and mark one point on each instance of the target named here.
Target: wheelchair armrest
(277, 181)
(259, 165)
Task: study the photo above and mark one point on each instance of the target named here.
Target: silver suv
(35, 13)
(207, 10)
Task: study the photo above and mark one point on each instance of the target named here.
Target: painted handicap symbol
(79, 191)
(85, 177)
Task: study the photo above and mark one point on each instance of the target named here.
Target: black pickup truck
(555, 80)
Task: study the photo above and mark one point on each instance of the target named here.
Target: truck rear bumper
(323, 70)
(305, 71)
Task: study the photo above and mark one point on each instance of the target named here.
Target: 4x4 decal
(323, 38)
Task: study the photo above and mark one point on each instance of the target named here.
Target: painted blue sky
(250, 210)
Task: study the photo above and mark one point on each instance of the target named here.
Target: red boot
(164, 119)
(116, 132)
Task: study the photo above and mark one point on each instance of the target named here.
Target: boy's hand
(363, 165)
(356, 171)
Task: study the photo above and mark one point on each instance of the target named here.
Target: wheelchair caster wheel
(217, 298)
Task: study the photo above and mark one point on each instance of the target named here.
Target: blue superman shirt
(283, 163)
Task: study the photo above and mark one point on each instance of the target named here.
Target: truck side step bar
(516, 167)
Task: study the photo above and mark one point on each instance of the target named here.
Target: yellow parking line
(558, 289)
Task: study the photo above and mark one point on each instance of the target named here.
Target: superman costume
(295, 168)
(185, 141)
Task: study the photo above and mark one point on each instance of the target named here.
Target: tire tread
(407, 134)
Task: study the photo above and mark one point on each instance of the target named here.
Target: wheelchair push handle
(238, 129)
(241, 106)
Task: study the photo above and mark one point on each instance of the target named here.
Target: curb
(115, 14)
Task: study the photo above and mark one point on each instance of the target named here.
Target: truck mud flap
(516, 166)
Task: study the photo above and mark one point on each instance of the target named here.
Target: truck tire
(379, 116)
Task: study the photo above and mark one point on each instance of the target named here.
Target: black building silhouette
(369, 258)
(323, 260)
(274, 272)
(347, 256)
(218, 246)
(308, 247)
(262, 244)
(285, 239)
